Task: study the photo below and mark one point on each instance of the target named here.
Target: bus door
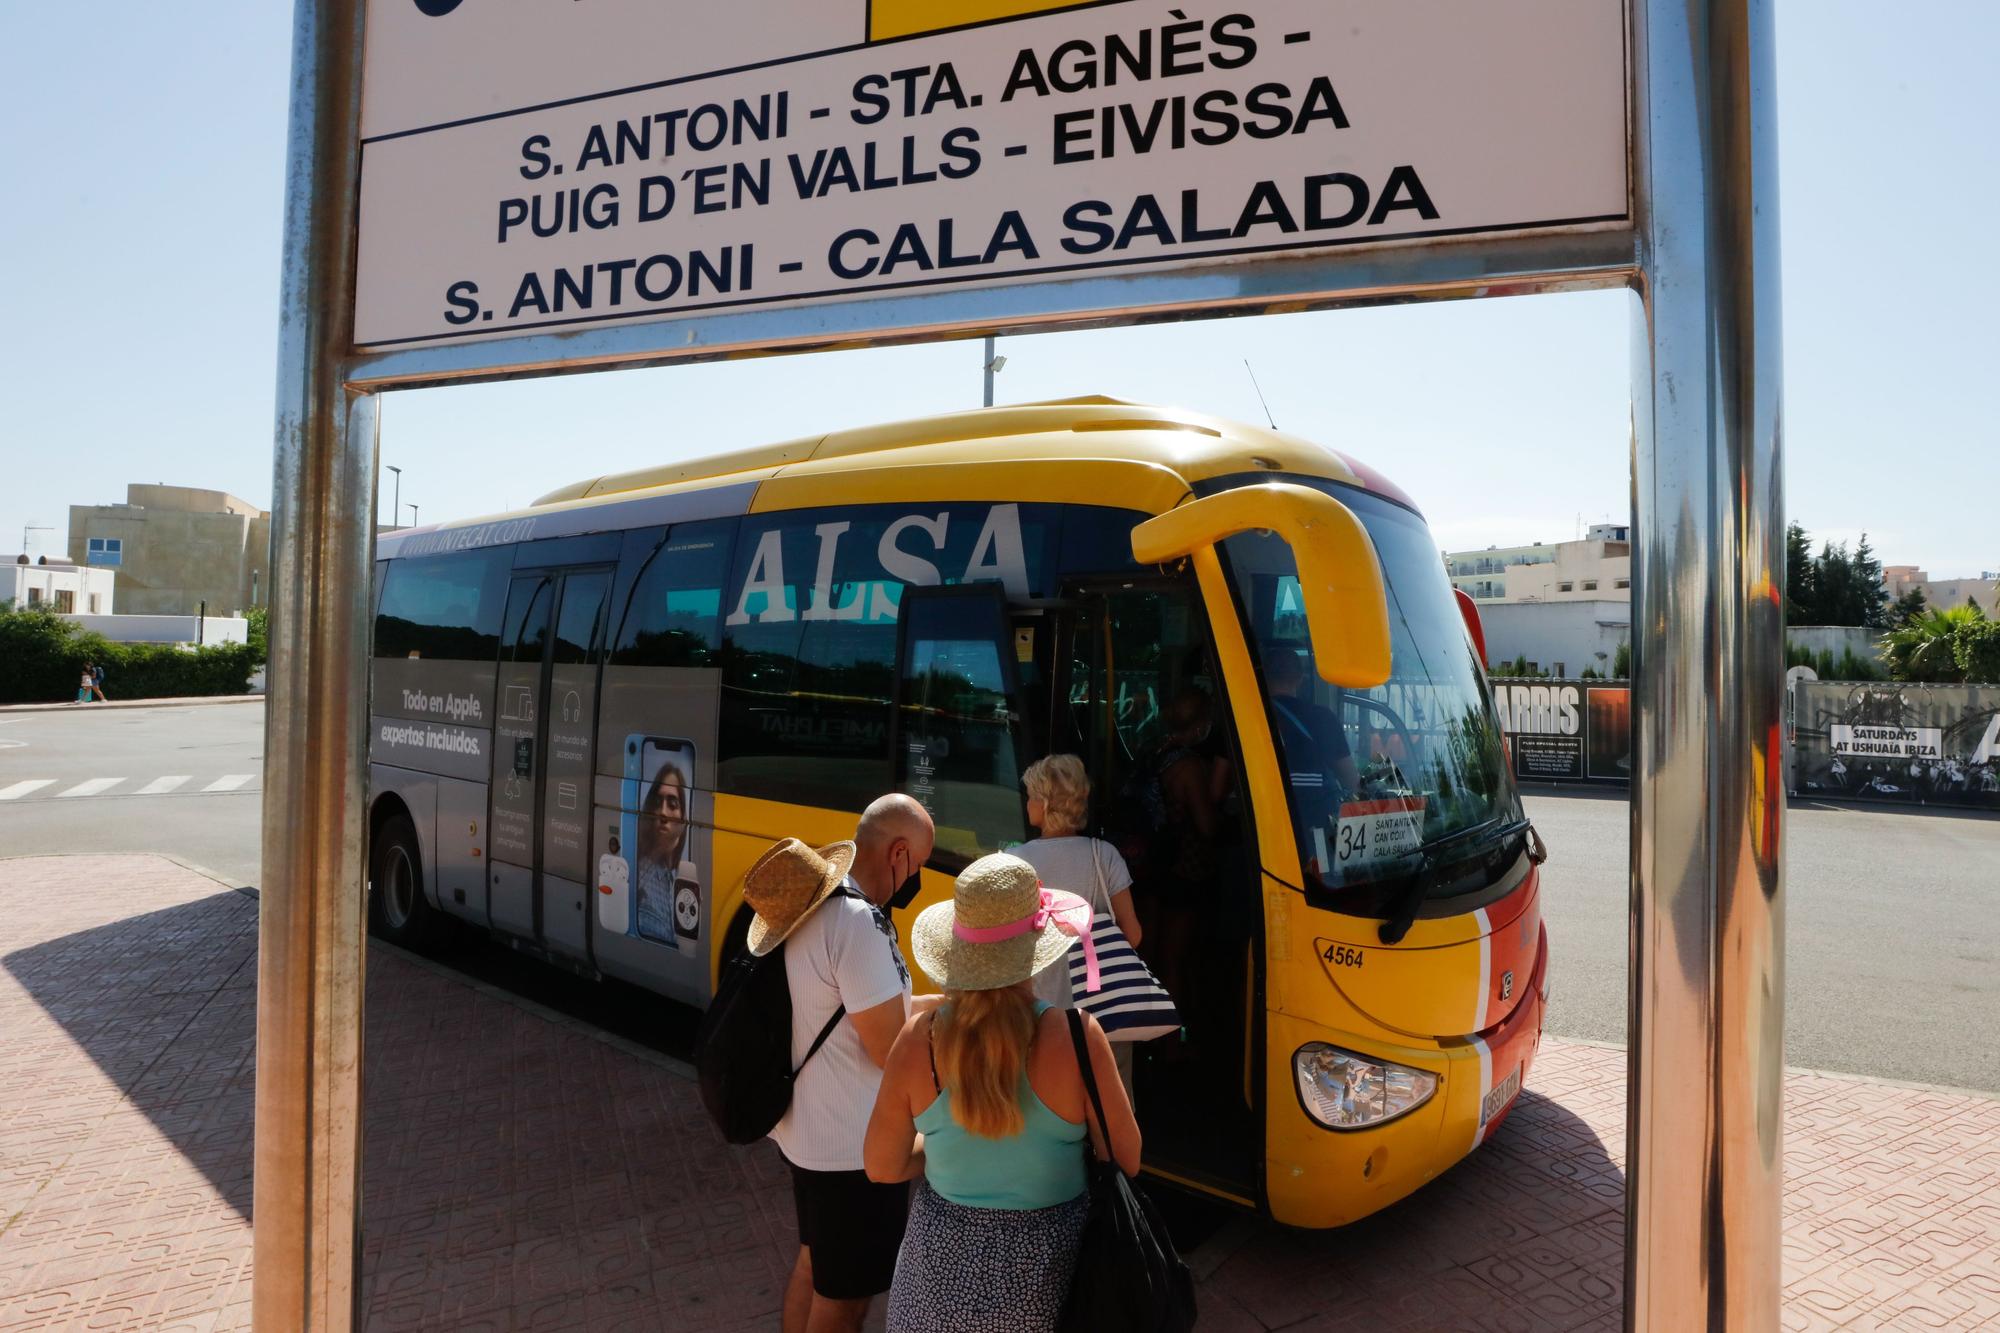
(542, 756)
(1138, 674)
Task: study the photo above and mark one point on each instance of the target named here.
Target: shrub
(1975, 650)
(45, 656)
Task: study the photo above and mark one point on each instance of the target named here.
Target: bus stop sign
(529, 166)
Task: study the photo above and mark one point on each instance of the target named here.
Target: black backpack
(743, 1052)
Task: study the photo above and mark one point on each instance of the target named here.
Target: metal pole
(987, 401)
(309, 963)
(396, 505)
(1707, 974)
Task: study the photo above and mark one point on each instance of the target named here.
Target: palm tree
(1921, 648)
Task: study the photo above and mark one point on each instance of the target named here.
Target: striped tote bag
(1130, 1004)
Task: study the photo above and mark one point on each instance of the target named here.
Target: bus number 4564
(1342, 955)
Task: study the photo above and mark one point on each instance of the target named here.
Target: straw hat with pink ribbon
(1000, 928)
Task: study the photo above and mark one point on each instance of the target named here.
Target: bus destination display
(536, 166)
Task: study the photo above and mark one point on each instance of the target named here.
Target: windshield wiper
(1425, 877)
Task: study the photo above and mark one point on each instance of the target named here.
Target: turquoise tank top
(1040, 1167)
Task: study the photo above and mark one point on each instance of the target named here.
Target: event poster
(1916, 743)
(1608, 729)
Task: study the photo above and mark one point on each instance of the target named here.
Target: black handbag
(1129, 1278)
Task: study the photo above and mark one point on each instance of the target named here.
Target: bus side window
(444, 606)
(958, 715)
(674, 618)
(807, 671)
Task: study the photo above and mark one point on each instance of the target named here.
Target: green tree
(1907, 607)
(1871, 596)
(1801, 594)
(1976, 650)
(1927, 648)
(1621, 661)
(259, 634)
(1835, 602)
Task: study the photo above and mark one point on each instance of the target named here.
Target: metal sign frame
(1707, 901)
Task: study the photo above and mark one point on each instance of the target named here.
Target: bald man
(845, 955)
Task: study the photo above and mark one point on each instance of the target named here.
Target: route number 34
(1342, 955)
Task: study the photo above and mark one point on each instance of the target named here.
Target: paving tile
(514, 1179)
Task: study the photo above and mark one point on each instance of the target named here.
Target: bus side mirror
(1340, 576)
(1468, 611)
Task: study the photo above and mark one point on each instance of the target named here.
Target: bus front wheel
(397, 909)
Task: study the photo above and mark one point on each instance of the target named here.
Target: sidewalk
(524, 1173)
(193, 701)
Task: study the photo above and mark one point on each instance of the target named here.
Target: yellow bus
(590, 716)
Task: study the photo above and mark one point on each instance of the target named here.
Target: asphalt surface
(1892, 957)
(141, 748)
(1893, 915)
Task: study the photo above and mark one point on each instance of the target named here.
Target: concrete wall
(37, 585)
(1562, 637)
(1864, 642)
(182, 547)
(167, 629)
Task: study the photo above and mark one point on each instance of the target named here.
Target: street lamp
(413, 516)
(396, 510)
(993, 365)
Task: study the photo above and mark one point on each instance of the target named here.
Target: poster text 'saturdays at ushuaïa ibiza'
(529, 165)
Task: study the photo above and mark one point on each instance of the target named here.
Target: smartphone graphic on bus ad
(649, 884)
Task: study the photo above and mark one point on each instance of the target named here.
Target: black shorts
(853, 1227)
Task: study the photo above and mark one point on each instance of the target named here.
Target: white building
(1596, 568)
(1945, 593)
(57, 584)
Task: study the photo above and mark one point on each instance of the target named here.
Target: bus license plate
(1496, 1100)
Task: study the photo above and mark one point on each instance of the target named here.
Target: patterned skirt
(984, 1270)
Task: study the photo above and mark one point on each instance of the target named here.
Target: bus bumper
(1318, 1177)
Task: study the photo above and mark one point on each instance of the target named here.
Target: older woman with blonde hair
(1071, 861)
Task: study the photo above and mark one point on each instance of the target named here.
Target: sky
(140, 242)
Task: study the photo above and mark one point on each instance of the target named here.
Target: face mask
(907, 894)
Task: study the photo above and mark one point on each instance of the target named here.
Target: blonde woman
(1070, 860)
(983, 1102)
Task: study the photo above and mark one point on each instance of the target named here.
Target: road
(1892, 957)
(1892, 966)
(103, 780)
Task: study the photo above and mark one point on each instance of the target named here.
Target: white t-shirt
(845, 953)
(1066, 866)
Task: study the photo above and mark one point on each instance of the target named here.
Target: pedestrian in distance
(984, 1104)
(97, 681)
(86, 684)
(827, 909)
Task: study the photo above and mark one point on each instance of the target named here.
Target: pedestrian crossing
(179, 783)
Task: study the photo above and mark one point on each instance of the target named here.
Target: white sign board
(1886, 742)
(551, 165)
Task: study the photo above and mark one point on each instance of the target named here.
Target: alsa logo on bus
(998, 555)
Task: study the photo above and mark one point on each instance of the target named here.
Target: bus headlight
(1343, 1090)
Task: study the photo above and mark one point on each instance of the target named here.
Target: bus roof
(1147, 457)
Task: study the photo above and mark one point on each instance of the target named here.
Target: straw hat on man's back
(787, 883)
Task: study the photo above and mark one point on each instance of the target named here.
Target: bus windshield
(1401, 792)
